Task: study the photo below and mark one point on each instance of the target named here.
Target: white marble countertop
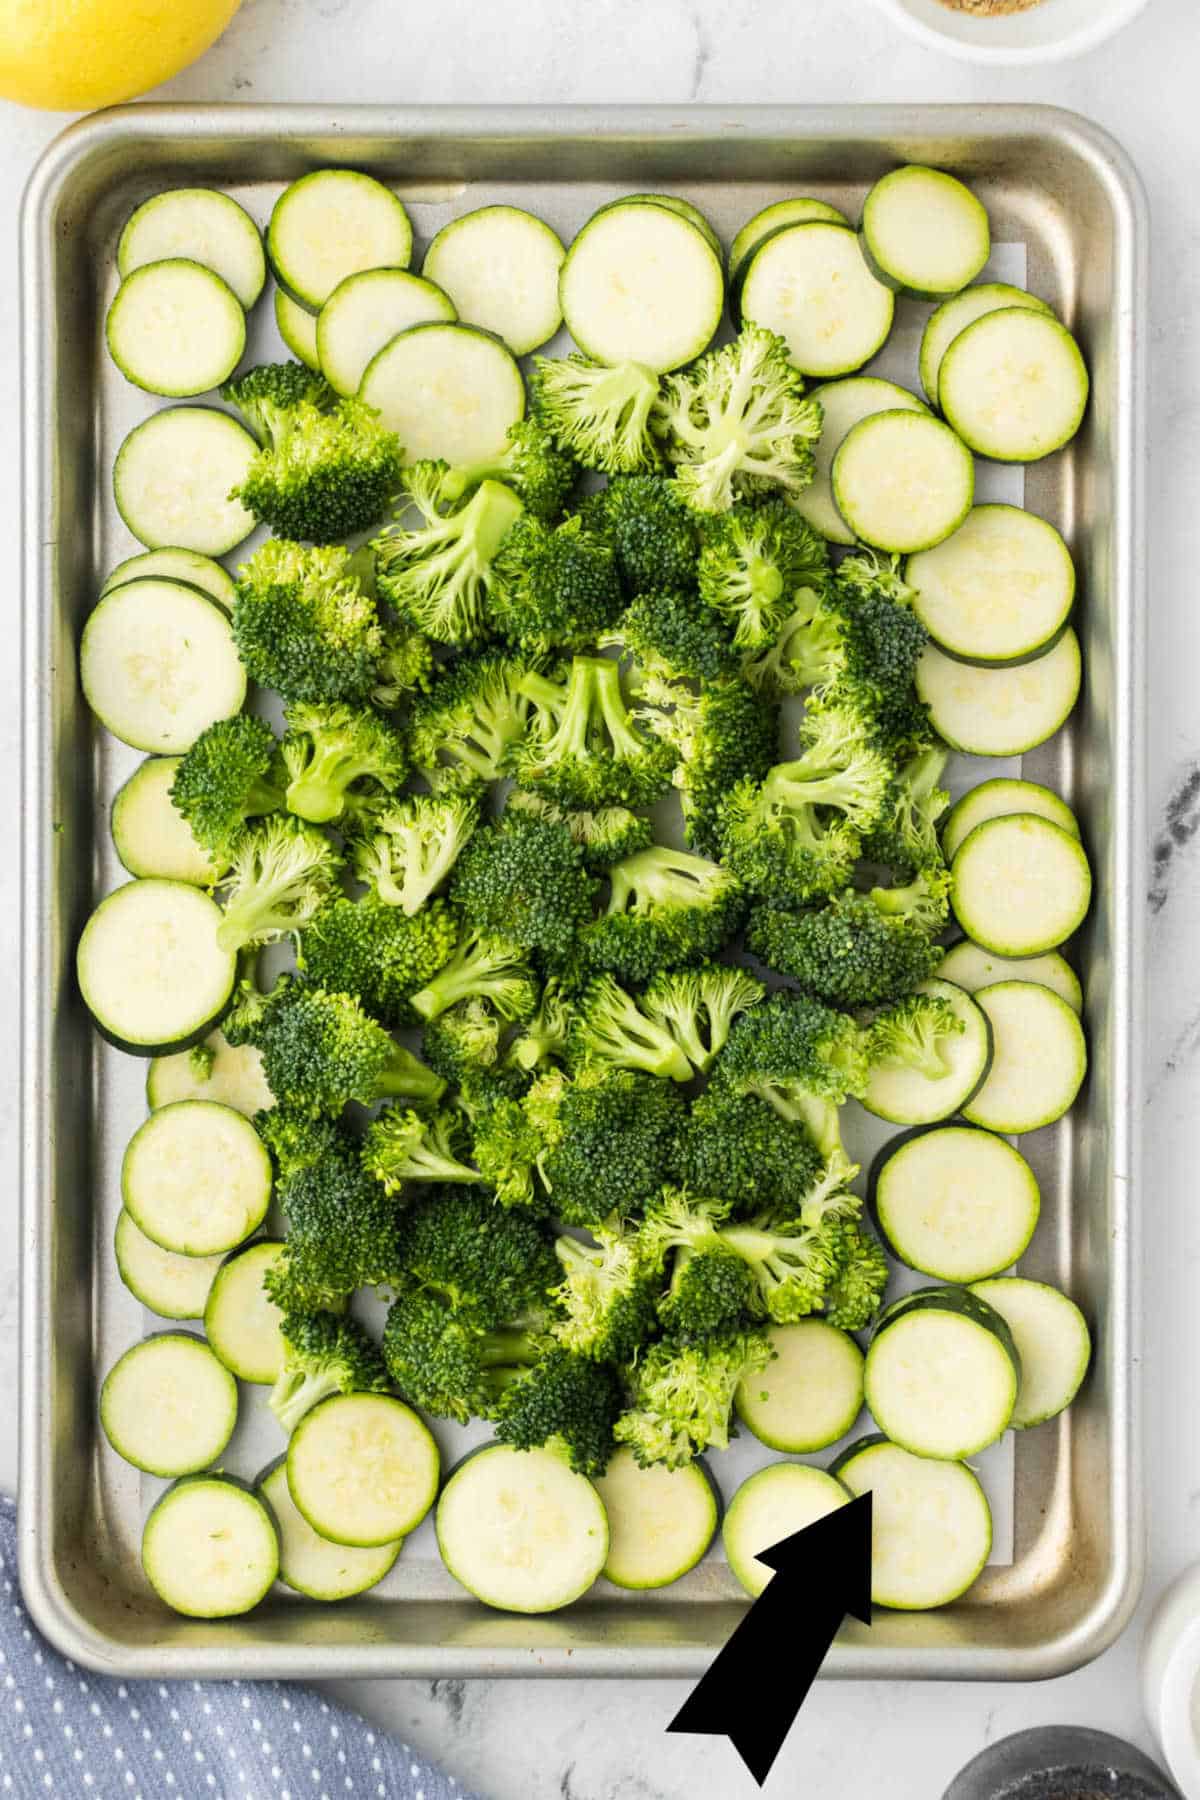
(604, 1741)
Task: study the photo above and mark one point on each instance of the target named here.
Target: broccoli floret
(860, 1277)
(712, 1289)
(753, 561)
(805, 1060)
(697, 1007)
(604, 836)
(736, 423)
(905, 838)
(463, 1043)
(324, 1353)
(670, 634)
(654, 535)
(296, 1141)
(881, 645)
(524, 878)
(329, 748)
(327, 467)
(505, 1145)
(376, 952)
(723, 735)
(320, 1050)
(280, 873)
(450, 1359)
(607, 1295)
(556, 588)
(531, 464)
(565, 1402)
(405, 665)
(440, 574)
(913, 1034)
(201, 1058)
(543, 1038)
(405, 852)
(859, 948)
(296, 1283)
(500, 1264)
(807, 649)
(304, 624)
(484, 967)
(582, 748)
(737, 1148)
(610, 1030)
(401, 1145)
(601, 415)
(231, 773)
(683, 1395)
(466, 727)
(342, 1233)
(666, 908)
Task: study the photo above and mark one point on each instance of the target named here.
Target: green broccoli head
(804, 1059)
(505, 1146)
(324, 1353)
(683, 1395)
(341, 1232)
(321, 1050)
(611, 1030)
(405, 665)
(327, 749)
(905, 838)
(860, 1276)
(754, 559)
(857, 948)
(201, 1059)
(915, 1033)
(604, 835)
(450, 1359)
(465, 729)
(231, 773)
(882, 641)
(484, 967)
(724, 735)
(670, 634)
(566, 1402)
(607, 1140)
(807, 650)
(654, 535)
(583, 748)
(297, 1140)
(601, 415)
(305, 625)
(524, 878)
(739, 1149)
(697, 1007)
(280, 874)
(440, 575)
(401, 1146)
(531, 464)
(463, 1043)
(606, 1299)
(543, 1037)
(376, 952)
(501, 1264)
(556, 587)
(405, 851)
(666, 908)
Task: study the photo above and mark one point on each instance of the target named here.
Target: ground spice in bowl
(990, 9)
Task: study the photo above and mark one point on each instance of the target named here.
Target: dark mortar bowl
(1061, 1762)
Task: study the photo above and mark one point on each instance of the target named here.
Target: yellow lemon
(72, 55)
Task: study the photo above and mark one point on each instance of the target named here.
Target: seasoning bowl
(1061, 1762)
(1171, 1678)
(1047, 32)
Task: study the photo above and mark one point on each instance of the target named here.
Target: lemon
(72, 55)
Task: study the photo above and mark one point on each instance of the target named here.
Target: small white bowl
(1170, 1669)
(1046, 33)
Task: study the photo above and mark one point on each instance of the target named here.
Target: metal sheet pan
(1064, 193)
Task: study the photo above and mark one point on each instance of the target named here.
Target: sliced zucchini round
(942, 1373)
(234, 1077)
(174, 328)
(310, 1564)
(241, 1322)
(448, 391)
(810, 284)
(205, 227)
(803, 210)
(1014, 385)
(1039, 1062)
(844, 404)
(150, 969)
(924, 232)
(158, 664)
(174, 475)
(149, 836)
(187, 566)
(909, 1096)
(901, 480)
(972, 968)
(500, 267)
(196, 1178)
(996, 798)
(642, 284)
(362, 1469)
(955, 314)
(660, 1521)
(810, 1394)
(675, 204)
(365, 312)
(298, 328)
(520, 1530)
(931, 1526)
(769, 1506)
(998, 590)
(956, 1202)
(1020, 885)
(210, 1548)
(174, 1287)
(168, 1406)
(1000, 712)
(330, 224)
(1053, 1342)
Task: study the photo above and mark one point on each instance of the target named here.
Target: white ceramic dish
(1046, 33)
(1171, 1678)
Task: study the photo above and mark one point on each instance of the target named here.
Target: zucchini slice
(187, 566)
(196, 1178)
(800, 211)
(810, 284)
(642, 284)
(901, 480)
(362, 1469)
(150, 969)
(1039, 1062)
(810, 1395)
(365, 312)
(1005, 711)
(924, 233)
(202, 225)
(1014, 385)
(174, 328)
(956, 1202)
(998, 590)
(844, 404)
(173, 477)
(1053, 1342)
(234, 1077)
(955, 314)
(298, 328)
(519, 1529)
(330, 224)
(660, 1521)
(173, 1286)
(241, 1322)
(150, 836)
(210, 1548)
(158, 664)
(942, 1373)
(931, 1526)
(448, 391)
(1020, 885)
(996, 798)
(168, 1406)
(675, 204)
(770, 1505)
(972, 968)
(500, 267)
(310, 1564)
(907, 1096)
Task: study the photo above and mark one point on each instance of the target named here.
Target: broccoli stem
(296, 1393)
(407, 1078)
(607, 696)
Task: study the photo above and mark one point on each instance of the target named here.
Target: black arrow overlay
(757, 1683)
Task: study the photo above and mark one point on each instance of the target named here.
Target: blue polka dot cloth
(67, 1732)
